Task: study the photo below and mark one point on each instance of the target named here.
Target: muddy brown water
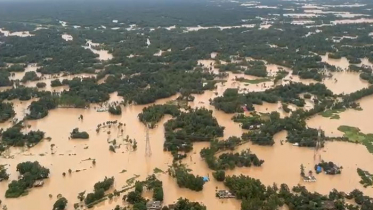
(282, 162)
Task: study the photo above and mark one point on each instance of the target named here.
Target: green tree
(60, 204)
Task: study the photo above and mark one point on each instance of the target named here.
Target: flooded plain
(18, 33)
(281, 164)
(103, 55)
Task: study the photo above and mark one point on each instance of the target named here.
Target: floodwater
(345, 82)
(265, 26)
(311, 33)
(346, 5)
(302, 22)
(336, 13)
(63, 23)
(159, 53)
(67, 37)
(18, 33)
(352, 21)
(339, 39)
(197, 28)
(282, 162)
(360, 119)
(340, 83)
(300, 15)
(29, 68)
(366, 62)
(342, 63)
(103, 54)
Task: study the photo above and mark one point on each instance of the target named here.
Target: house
(39, 183)
(224, 194)
(153, 205)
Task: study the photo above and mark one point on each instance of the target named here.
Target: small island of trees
(30, 76)
(99, 191)
(115, 110)
(6, 111)
(14, 137)
(76, 134)
(153, 114)
(228, 160)
(189, 127)
(3, 174)
(185, 179)
(60, 204)
(41, 85)
(30, 172)
(366, 177)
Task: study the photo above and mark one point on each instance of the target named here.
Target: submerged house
(224, 194)
(309, 178)
(153, 205)
(39, 183)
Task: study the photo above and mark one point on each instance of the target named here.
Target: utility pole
(148, 150)
(318, 144)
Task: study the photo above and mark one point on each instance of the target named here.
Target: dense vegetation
(15, 137)
(16, 68)
(56, 83)
(41, 85)
(232, 101)
(99, 190)
(4, 79)
(255, 195)
(253, 121)
(152, 183)
(185, 179)
(30, 172)
(295, 125)
(153, 114)
(30, 76)
(257, 69)
(39, 109)
(228, 160)
(115, 110)
(189, 127)
(6, 111)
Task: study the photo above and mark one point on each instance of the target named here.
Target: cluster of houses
(328, 167)
(157, 205)
(224, 194)
(309, 178)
